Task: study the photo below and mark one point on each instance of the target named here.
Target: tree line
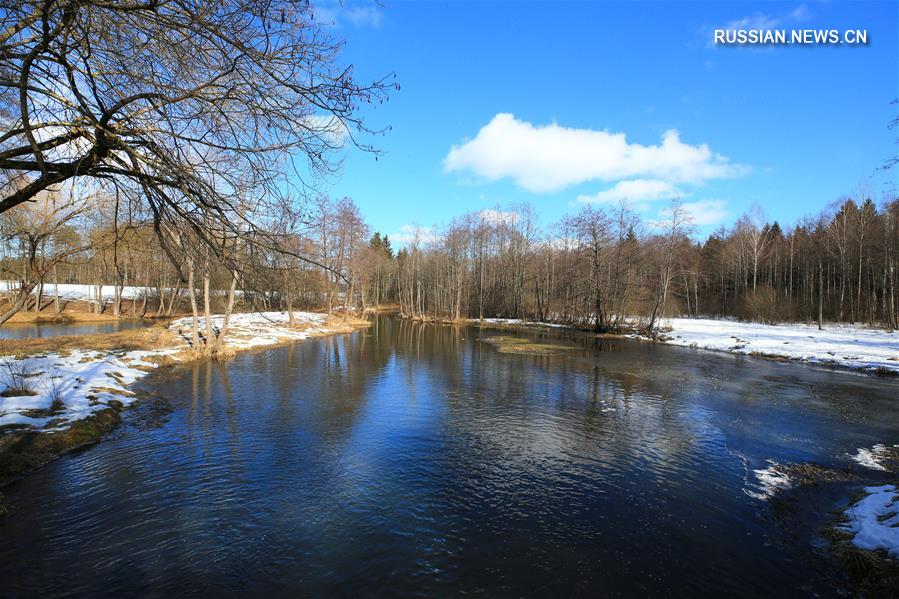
(605, 269)
(601, 268)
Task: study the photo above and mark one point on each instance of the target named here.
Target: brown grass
(872, 573)
(76, 311)
(16, 392)
(154, 337)
(517, 345)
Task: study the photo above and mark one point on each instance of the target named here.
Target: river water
(415, 459)
(14, 330)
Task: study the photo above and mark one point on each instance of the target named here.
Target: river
(22, 330)
(413, 459)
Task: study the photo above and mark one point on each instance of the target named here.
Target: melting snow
(518, 321)
(259, 328)
(845, 345)
(872, 458)
(874, 521)
(770, 480)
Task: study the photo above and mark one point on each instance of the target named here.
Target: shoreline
(77, 386)
(836, 347)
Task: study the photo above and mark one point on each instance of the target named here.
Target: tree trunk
(195, 322)
(227, 318)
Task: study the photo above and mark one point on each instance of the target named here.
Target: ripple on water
(412, 461)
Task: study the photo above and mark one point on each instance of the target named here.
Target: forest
(601, 268)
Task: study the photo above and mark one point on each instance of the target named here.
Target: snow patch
(770, 480)
(256, 329)
(872, 458)
(874, 521)
(519, 321)
(843, 345)
(65, 388)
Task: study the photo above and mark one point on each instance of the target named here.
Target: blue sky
(556, 104)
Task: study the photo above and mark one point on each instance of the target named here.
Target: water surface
(417, 460)
(22, 330)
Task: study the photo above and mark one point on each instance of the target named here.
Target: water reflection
(414, 459)
(37, 331)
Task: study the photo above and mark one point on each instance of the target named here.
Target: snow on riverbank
(771, 480)
(875, 457)
(79, 292)
(850, 346)
(260, 328)
(517, 322)
(874, 521)
(64, 388)
(58, 389)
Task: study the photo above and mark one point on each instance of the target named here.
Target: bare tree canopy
(192, 110)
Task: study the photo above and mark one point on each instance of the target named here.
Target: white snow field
(80, 292)
(874, 521)
(78, 384)
(72, 291)
(841, 345)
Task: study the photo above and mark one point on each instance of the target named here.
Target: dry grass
(872, 573)
(517, 345)
(149, 338)
(77, 311)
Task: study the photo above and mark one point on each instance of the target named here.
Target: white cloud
(563, 243)
(701, 213)
(364, 16)
(497, 217)
(358, 14)
(409, 234)
(632, 191)
(763, 21)
(706, 212)
(546, 158)
(328, 128)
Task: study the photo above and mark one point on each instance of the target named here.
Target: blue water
(414, 459)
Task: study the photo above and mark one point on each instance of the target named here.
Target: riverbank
(64, 392)
(844, 346)
(862, 534)
(847, 346)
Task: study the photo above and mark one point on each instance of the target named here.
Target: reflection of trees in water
(614, 400)
(614, 411)
(551, 407)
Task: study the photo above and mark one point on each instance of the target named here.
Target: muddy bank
(24, 450)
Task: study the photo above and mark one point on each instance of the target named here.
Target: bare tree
(675, 227)
(195, 109)
(43, 235)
